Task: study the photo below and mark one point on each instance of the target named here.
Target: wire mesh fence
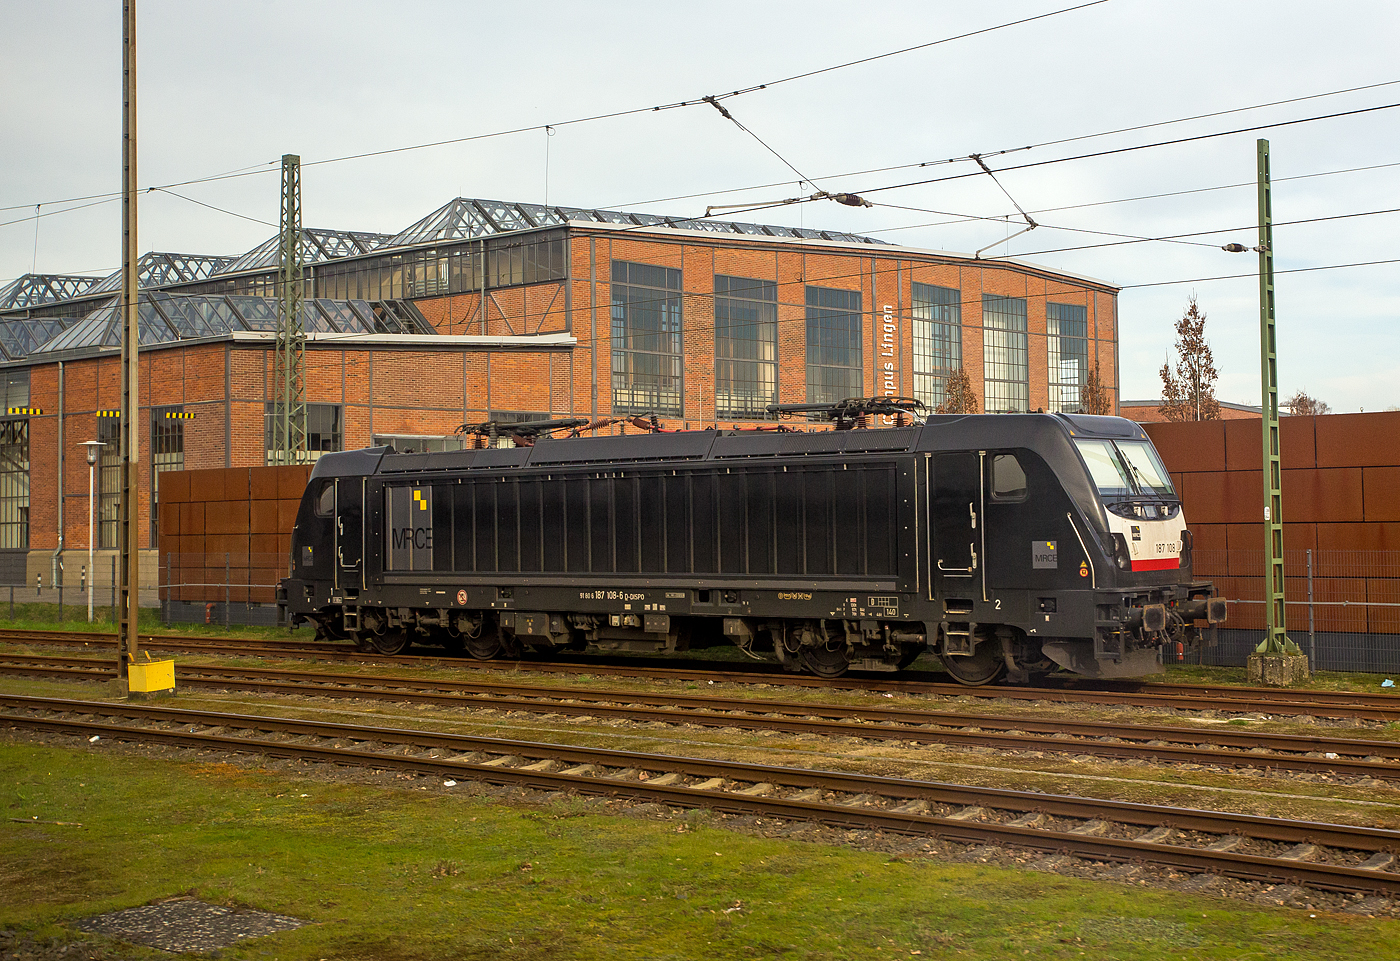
(1342, 608)
(220, 588)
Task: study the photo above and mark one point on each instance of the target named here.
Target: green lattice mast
(289, 403)
(1276, 636)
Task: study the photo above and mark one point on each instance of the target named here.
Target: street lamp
(92, 446)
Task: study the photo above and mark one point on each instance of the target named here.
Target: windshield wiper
(1128, 471)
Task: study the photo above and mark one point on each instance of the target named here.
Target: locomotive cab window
(325, 501)
(1125, 469)
(1008, 479)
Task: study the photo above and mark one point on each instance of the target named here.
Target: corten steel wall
(225, 540)
(1341, 502)
(431, 390)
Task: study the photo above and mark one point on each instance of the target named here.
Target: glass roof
(465, 219)
(165, 318)
(318, 247)
(21, 336)
(157, 269)
(461, 219)
(31, 290)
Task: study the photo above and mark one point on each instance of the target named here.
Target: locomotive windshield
(1125, 469)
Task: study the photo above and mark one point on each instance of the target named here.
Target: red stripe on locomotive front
(1159, 564)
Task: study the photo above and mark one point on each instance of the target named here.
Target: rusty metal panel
(1190, 446)
(1383, 590)
(1246, 547)
(262, 483)
(236, 484)
(1203, 497)
(1322, 495)
(1358, 537)
(1297, 442)
(262, 517)
(207, 485)
(174, 486)
(1207, 537)
(1381, 493)
(1358, 440)
(1244, 446)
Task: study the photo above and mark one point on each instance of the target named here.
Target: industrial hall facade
(492, 311)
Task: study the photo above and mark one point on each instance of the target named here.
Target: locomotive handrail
(1093, 574)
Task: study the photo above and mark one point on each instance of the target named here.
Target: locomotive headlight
(1121, 557)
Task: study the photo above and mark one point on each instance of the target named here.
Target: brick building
(487, 310)
(1148, 411)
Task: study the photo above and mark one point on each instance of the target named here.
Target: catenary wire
(1043, 163)
(994, 153)
(231, 213)
(266, 167)
(1198, 233)
(965, 218)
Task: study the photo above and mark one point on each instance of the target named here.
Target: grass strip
(421, 872)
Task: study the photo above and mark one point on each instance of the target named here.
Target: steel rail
(628, 779)
(1157, 743)
(1332, 704)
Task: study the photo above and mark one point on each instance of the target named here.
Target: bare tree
(958, 396)
(1303, 405)
(1188, 390)
(1094, 397)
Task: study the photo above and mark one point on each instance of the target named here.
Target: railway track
(1170, 696)
(1273, 753)
(1328, 857)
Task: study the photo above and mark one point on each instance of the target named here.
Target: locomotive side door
(349, 531)
(955, 509)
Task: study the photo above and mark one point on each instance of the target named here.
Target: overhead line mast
(289, 401)
(128, 525)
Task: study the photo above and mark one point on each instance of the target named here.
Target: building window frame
(1006, 355)
(1067, 336)
(167, 453)
(937, 329)
(325, 431)
(109, 482)
(746, 347)
(648, 348)
(835, 344)
(14, 481)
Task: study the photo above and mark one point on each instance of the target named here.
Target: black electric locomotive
(1011, 544)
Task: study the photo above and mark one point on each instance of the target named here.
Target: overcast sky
(234, 85)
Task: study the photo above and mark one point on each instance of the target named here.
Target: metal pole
(91, 523)
(1312, 638)
(128, 524)
(1276, 636)
(60, 591)
(226, 592)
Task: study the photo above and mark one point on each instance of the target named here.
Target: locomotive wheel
(390, 642)
(484, 646)
(823, 661)
(983, 666)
